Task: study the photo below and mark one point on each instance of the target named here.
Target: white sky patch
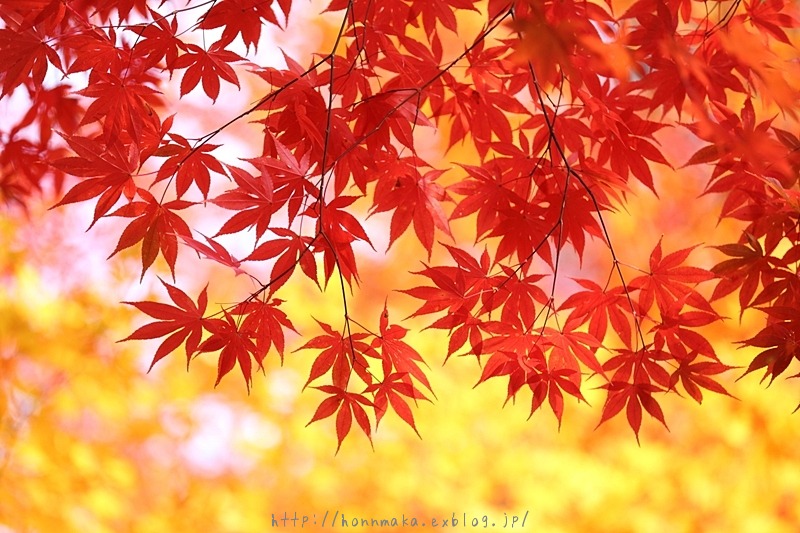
(227, 437)
(283, 388)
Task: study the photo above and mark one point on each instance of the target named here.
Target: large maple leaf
(414, 197)
(668, 281)
(156, 226)
(188, 164)
(109, 171)
(24, 55)
(234, 345)
(243, 18)
(208, 66)
(184, 323)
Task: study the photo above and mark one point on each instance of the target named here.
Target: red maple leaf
(24, 55)
(109, 169)
(635, 396)
(251, 200)
(121, 105)
(242, 17)
(215, 251)
(183, 324)
(207, 66)
(266, 323)
(395, 390)
(341, 354)
(156, 226)
(674, 331)
(781, 338)
(190, 164)
(285, 178)
(159, 40)
(414, 197)
(348, 405)
(600, 307)
(234, 345)
(293, 250)
(667, 281)
(694, 375)
(396, 353)
(748, 265)
(338, 231)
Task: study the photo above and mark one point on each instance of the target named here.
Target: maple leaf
(24, 56)
(460, 289)
(159, 40)
(694, 375)
(55, 110)
(562, 374)
(749, 265)
(293, 250)
(393, 391)
(267, 323)
(521, 367)
(388, 113)
(342, 355)
(109, 170)
(782, 340)
(339, 230)
(770, 17)
(284, 178)
(184, 324)
(190, 164)
(736, 139)
(209, 66)
(242, 17)
(156, 226)
(573, 347)
(487, 193)
(121, 105)
(573, 212)
(449, 293)
(546, 45)
(601, 307)
(252, 201)
(673, 330)
(396, 353)
(414, 198)
(518, 293)
(215, 251)
(667, 281)
(643, 365)
(634, 396)
(235, 346)
(347, 405)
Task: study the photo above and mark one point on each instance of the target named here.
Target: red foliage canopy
(561, 102)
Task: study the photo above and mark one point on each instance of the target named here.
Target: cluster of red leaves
(245, 332)
(344, 355)
(762, 193)
(561, 101)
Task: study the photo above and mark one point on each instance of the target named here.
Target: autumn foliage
(560, 106)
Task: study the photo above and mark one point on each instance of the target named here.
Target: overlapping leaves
(562, 105)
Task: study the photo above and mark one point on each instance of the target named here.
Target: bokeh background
(92, 442)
